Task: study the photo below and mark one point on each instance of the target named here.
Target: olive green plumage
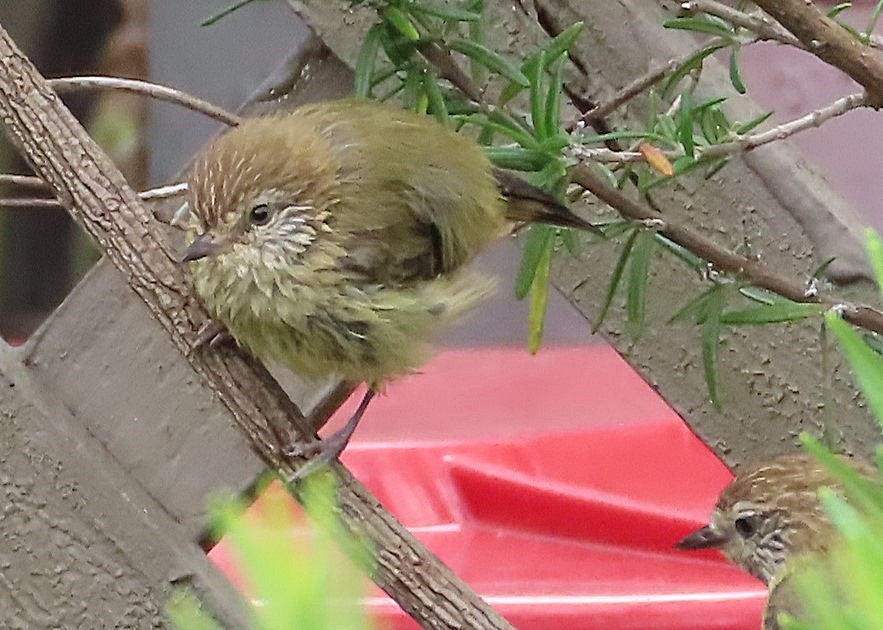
(332, 239)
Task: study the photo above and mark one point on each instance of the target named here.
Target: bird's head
(260, 194)
(769, 513)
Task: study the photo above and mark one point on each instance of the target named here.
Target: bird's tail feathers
(529, 204)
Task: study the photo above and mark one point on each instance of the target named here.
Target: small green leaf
(517, 158)
(695, 61)
(539, 298)
(606, 173)
(681, 252)
(445, 12)
(772, 313)
(364, 72)
(413, 90)
(716, 166)
(553, 100)
(551, 176)
(401, 22)
(695, 308)
(763, 296)
(536, 245)
(436, 100)
(701, 24)
(735, 72)
(639, 268)
(533, 70)
(708, 124)
(554, 143)
(562, 42)
(615, 277)
(821, 269)
(874, 247)
(685, 124)
(612, 228)
(509, 92)
(510, 131)
(867, 364)
(711, 343)
(490, 59)
(667, 128)
(875, 15)
(710, 103)
(874, 341)
(476, 33)
(856, 487)
(742, 128)
(837, 9)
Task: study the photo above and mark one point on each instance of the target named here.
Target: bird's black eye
(259, 215)
(746, 526)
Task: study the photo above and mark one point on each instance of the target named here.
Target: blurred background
(43, 255)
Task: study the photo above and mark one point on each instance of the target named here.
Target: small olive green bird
(333, 239)
(769, 521)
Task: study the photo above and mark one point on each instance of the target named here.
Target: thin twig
(761, 25)
(153, 194)
(146, 88)
(630, 91)
(739, 144)
(811, 120)
(22, 181)
(448, 69)
(758, 23)
(755, 272)
(29, 202)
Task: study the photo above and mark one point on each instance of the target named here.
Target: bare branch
(153, 194)
(831, 43)
(813, 119)
(23, 181)
(630, 91)
(146, 88)
(739, 144)
(762, 26)
(755, 272)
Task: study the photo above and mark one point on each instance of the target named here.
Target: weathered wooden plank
(81, 547)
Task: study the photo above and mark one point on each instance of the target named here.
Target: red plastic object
(556, 486)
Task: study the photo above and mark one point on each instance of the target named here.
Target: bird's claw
(212, 334)
(319, 454)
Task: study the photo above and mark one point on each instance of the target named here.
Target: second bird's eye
(259, 215)
(746, 526)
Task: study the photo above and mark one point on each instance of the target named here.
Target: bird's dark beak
(704, 538)
(202, 246)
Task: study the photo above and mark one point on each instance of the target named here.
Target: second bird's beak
(202, 246)
(704, 538)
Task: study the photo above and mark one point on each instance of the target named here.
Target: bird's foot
(321, 453)
(212, 334)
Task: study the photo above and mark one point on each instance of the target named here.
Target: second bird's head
(769, 513)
